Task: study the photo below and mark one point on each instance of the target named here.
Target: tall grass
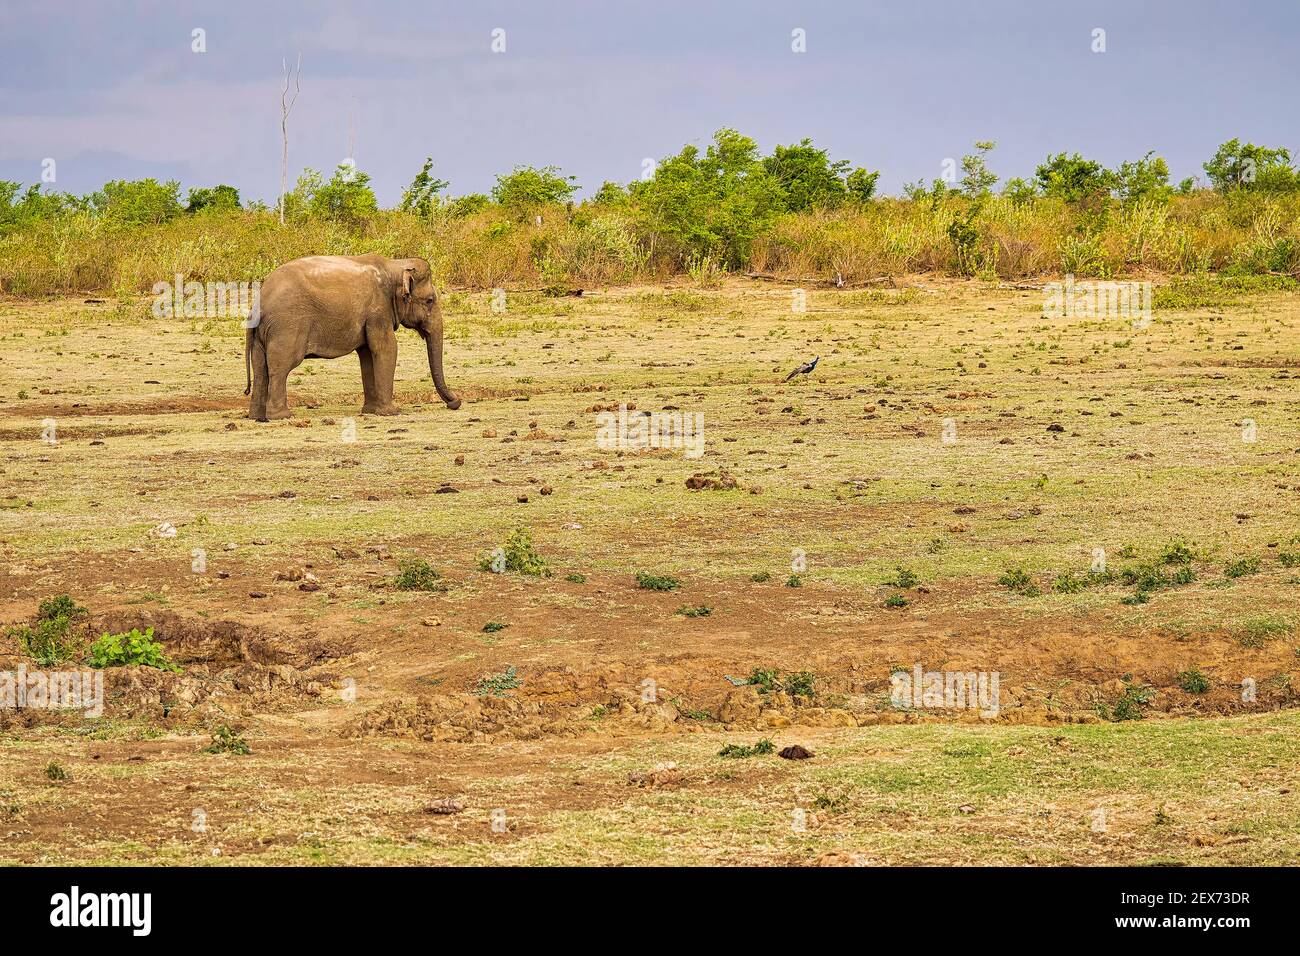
(595, 245)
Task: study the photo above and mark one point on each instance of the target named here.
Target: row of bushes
(793, 213)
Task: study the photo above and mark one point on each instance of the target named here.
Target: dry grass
(1203, 793)
(595, 246)
(851, 469)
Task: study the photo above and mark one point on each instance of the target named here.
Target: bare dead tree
(352, 130)
(286, 107)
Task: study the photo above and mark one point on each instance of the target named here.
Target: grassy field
(935, 493)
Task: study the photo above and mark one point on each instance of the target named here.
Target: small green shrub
(131, 649)
(416, 574)
(758, 577)
(497, 684)
(1131, 702)
(54, 771)
(1067, 582)
(1177, 552)
(768, 680)
(1144, 577)
(800, 684)
(517, 555)
(831, 802)
(794, 581)
(576, 578)
(764, 679)
(896, 600)
(739, 751)
(1241, 567)
(491, 627)
(48, 643)
(903, 578)
(656, 582)
(225, 740)
(690, 713)
(1149, 577)
(59, 606)
(1194, 681)
(702, 610)
(1019, 581)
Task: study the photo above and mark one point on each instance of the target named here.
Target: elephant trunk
(433, 343)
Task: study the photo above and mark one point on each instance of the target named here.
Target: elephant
(327, 306)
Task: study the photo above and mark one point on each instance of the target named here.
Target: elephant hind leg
(281, 359)
(261, 378)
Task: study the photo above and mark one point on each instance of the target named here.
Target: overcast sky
(113, 89)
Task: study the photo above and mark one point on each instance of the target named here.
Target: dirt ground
(949, 437)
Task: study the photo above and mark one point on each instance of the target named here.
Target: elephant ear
(402, 295)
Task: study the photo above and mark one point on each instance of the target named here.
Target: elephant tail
(248, 361)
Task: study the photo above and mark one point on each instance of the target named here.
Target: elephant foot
(380, 410)
(273, 416)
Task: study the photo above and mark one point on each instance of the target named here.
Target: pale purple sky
(112, 89)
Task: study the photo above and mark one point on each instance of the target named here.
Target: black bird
(804, 369)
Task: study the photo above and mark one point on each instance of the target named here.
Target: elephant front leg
(368, 381)
(378, 383)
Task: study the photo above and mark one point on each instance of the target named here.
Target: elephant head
(415, 305)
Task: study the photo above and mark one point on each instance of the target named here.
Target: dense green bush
(1073, 178)
(711, 204)
(524, 190)
(218, 198)
(143, 201)
(809, 180)
(1237, 165)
